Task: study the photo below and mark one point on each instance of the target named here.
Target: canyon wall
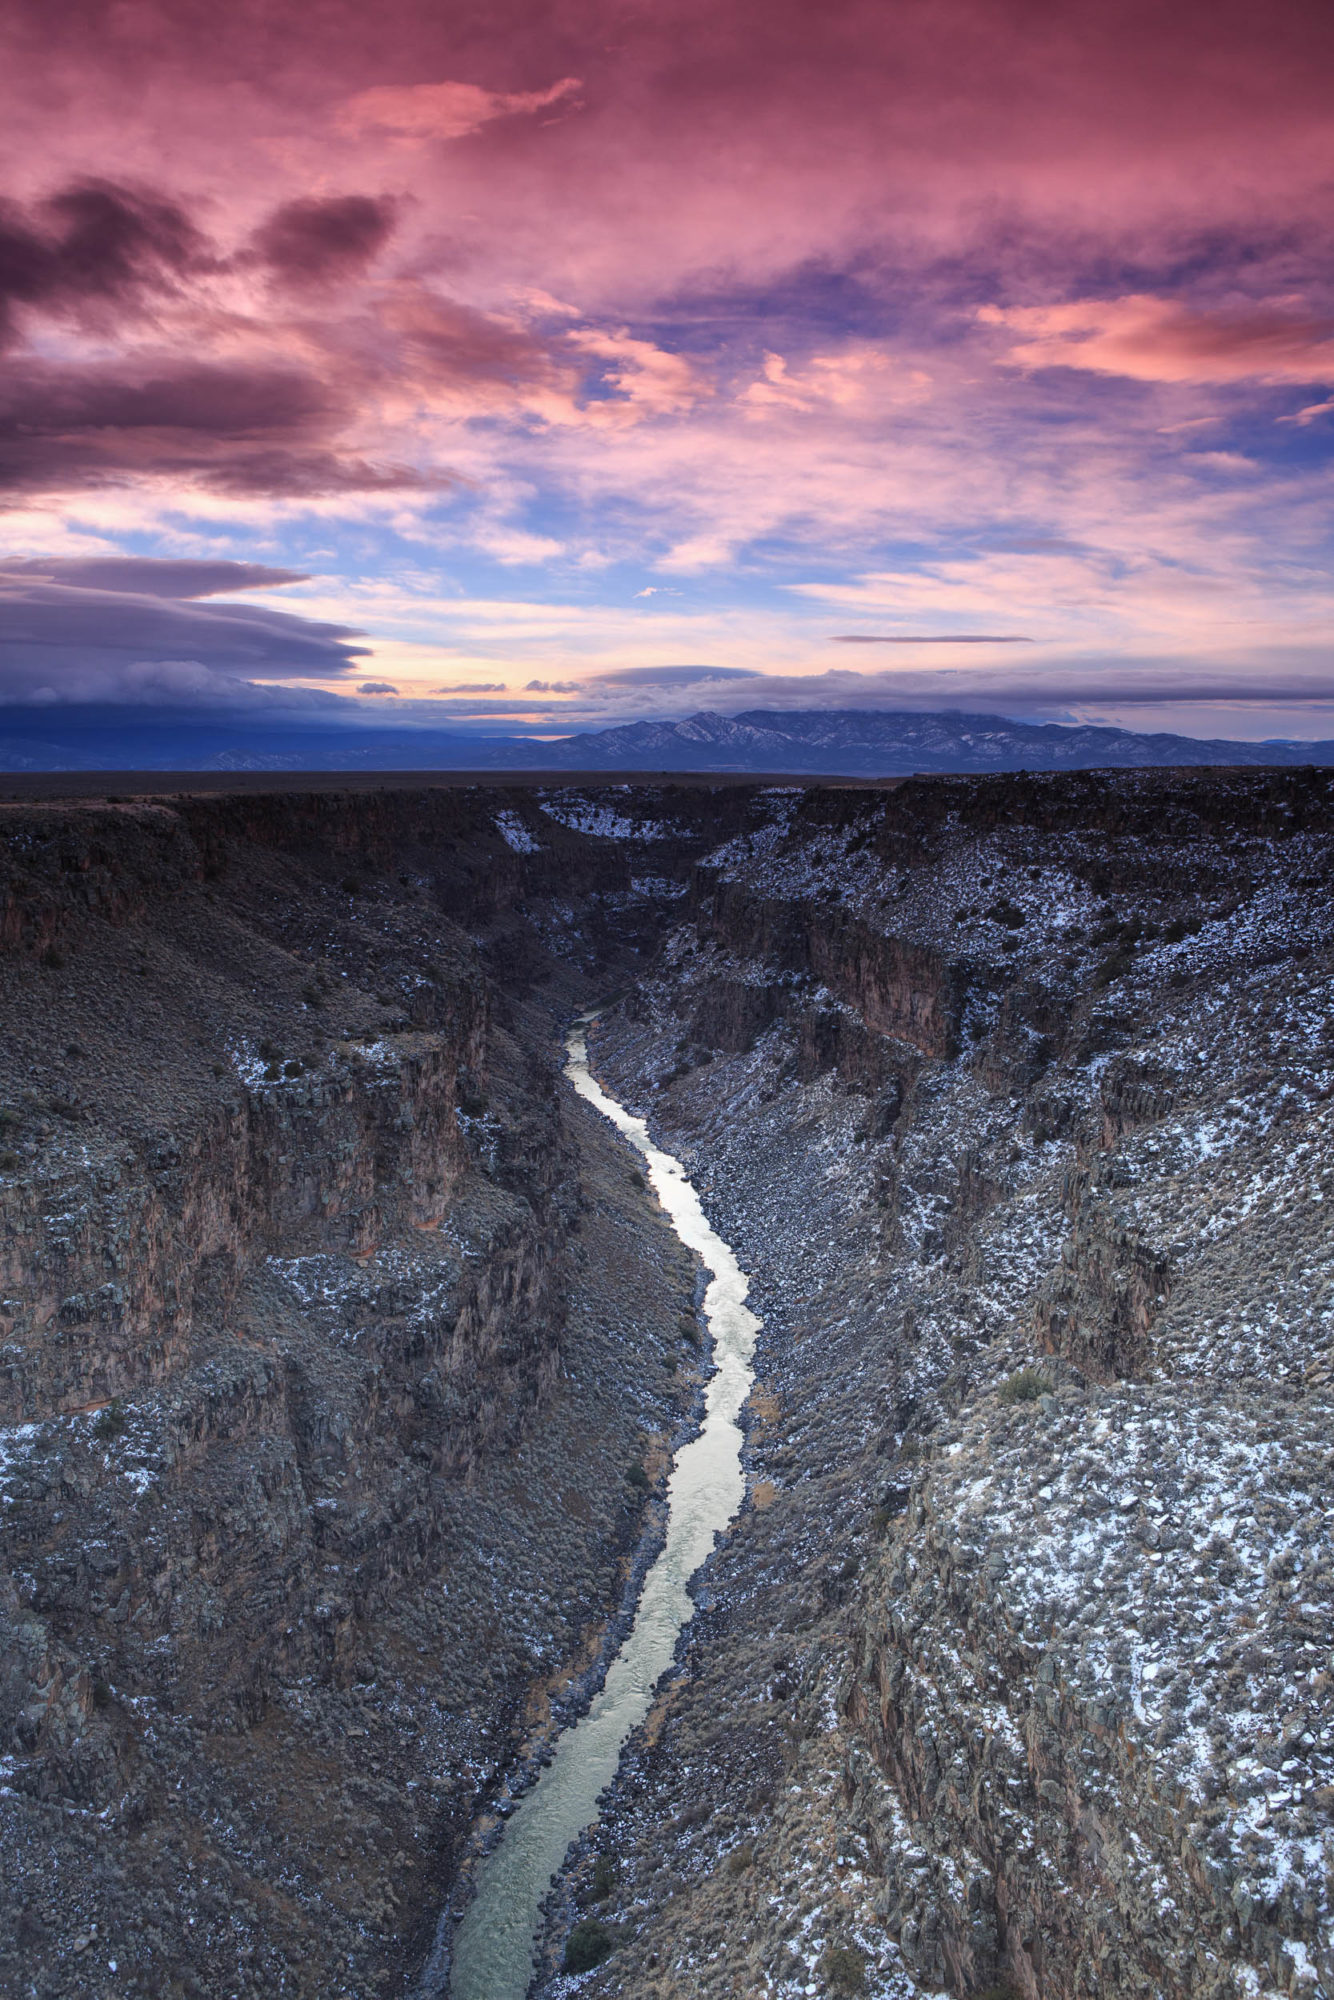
(332, 1326)
(316, 1343)
(1013, 1678)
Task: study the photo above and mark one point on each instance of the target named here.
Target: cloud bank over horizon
(479, 365)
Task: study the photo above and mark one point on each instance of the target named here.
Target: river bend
(494, 1945)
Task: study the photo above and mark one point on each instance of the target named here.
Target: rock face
(327, 1319)
(333, 1325)
(1015, 1674)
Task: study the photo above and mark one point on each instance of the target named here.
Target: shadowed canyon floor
(345, 1352)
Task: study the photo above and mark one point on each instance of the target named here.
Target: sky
(542, 364)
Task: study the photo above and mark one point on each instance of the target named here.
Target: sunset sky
(553, 362)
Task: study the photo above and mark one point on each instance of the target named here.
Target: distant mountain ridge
(827, 742)
(872, 743)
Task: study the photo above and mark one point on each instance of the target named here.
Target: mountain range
(816, 742)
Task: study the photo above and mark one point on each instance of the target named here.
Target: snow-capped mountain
(870, 743)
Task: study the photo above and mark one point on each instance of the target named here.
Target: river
(494, 1944)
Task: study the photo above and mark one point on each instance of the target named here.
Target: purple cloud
(312, 243)
(62, 641)
(149, 576)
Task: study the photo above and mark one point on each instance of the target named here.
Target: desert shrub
(351, 885)
(740, 1859)
(604, 1876)
(669, 1362)
(637, 1477)
(695, 1815)
(312, 996)
(1115, 966)
(587, 1945)
(267, 1050)
(293, 1068)
(8, 1162)
(843, 1969)
(1024, 1386)
(689, 1331)
(273, 1073)
(1006, 913)
(636, 1178)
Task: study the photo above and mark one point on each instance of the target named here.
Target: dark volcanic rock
(1013, 1676)
(331, 1324)
(325, 1321)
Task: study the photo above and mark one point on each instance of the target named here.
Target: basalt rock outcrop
(1013, 1677)
(333, 1325)
(327, 1330)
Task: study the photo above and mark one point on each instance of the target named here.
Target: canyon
(344, 1353)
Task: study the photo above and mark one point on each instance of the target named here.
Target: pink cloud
(1166, 340)
(421, 111)
(858, 375)
(651, 382)
(719, 295)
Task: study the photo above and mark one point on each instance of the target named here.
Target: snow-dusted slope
(871, 743)
(1016, 1678)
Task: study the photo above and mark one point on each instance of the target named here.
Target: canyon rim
(345, 1353)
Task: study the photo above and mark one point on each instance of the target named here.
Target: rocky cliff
(325, 1321)
(1013, 1678)
(333, 1325)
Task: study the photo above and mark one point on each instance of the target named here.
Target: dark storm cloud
(312, 243)
(236, 429)
(92, 245)
(275, 424)
(149, 576)
(60, 641)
